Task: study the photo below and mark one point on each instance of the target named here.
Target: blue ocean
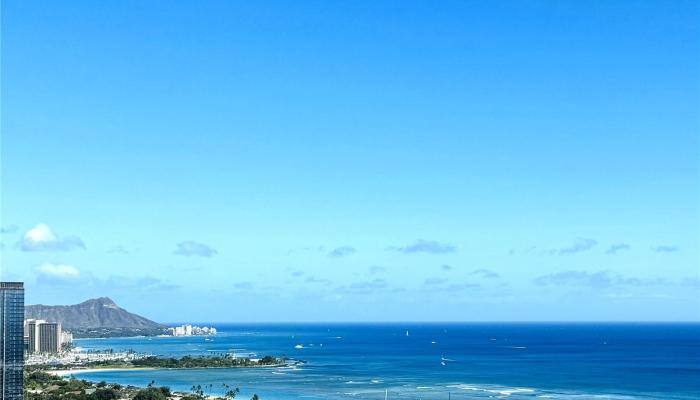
(435, 361)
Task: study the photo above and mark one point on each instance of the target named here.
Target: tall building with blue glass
(11, 340)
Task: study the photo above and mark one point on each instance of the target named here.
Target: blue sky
(356, 161)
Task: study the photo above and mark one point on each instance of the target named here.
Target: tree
(150, 393)
(105, 394)
(267, 360)
(198, 392)
(231, 394)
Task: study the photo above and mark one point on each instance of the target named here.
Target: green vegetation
(205, 362)
(191, 362)
(225, 361)
(39, 385)
(69, 346)
(152, 393)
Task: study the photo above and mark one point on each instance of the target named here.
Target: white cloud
(342, 252)
(191, 248)
(57, 273)
(42, 238)
(426, 246)
(40, 233)
(615, 248)
(485, 273)
(579, 245)
(665, 249)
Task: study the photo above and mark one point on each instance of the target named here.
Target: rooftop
(11, 285)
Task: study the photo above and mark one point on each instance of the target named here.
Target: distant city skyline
(451, 161)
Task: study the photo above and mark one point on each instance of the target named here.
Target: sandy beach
(75, 371)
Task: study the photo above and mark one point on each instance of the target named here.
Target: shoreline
(74, 371)
(138, 337)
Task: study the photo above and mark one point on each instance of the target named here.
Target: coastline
(74, 371)
(485, 361)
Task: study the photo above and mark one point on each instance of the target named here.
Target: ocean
(435, 361)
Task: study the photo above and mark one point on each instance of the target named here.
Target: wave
(505, 391)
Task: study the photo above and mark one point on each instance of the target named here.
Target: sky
(354, 161)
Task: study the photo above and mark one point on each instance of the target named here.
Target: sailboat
(386, 394)
(406, 333)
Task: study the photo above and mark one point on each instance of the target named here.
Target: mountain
(95, 318)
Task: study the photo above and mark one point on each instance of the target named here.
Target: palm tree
(198, 391)
(231, 394)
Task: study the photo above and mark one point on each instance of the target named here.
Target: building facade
(49, 337)
(66, 338)
(190, 330)
(11, 340)
(44, 337)
(30, 335)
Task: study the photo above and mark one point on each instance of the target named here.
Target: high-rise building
(11, 340)
(66, 338)
(31, 334)
(44, 337)
(49, 337)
